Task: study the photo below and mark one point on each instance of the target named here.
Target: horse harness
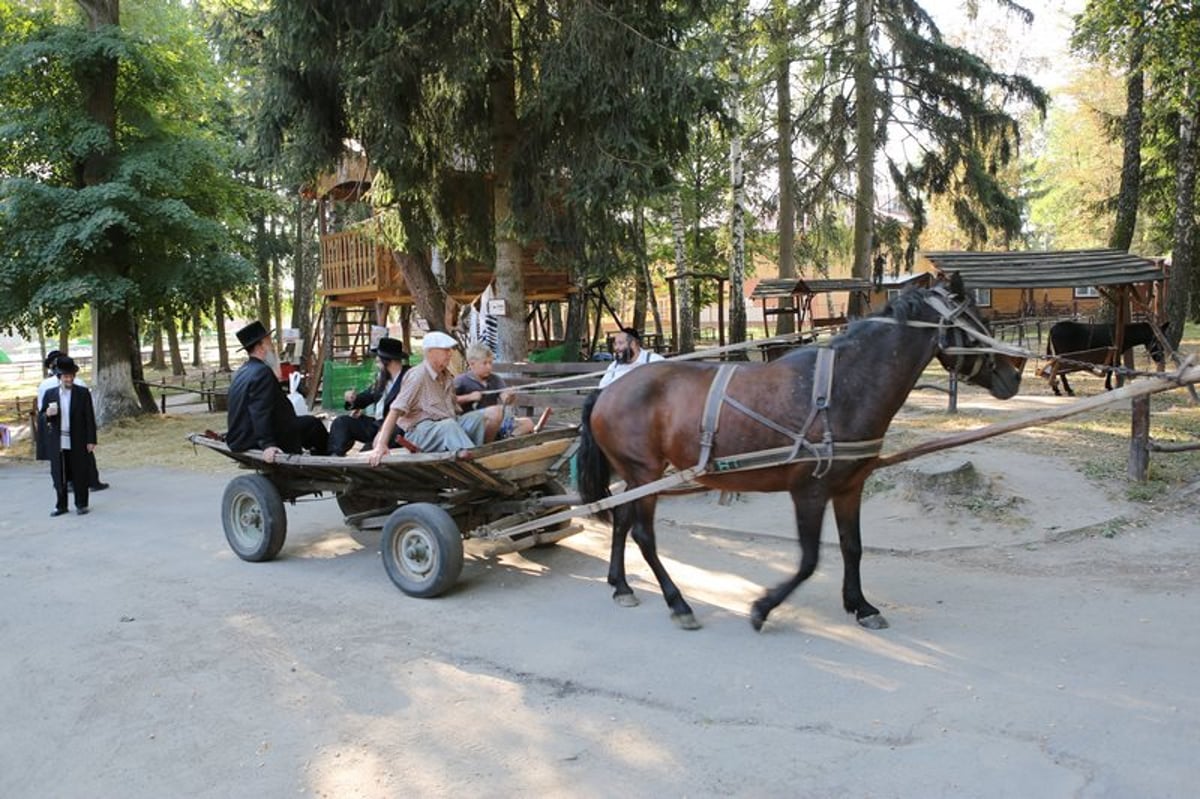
(823, 453)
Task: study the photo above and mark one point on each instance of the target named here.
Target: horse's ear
(956, 285)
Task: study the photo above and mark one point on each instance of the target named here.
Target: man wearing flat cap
(260, 415)
(71, 435)
(357, 426)
(427, 409)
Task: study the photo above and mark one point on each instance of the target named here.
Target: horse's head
(964, 330)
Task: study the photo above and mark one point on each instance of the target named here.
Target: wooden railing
(351, 262)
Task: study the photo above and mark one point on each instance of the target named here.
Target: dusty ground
(1040, 646)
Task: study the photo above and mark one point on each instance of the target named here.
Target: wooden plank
(505, 461)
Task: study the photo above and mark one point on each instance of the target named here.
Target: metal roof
(1044, 269)
(786, 287)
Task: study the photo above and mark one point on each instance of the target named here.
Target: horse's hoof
(685, 621)
(757, 619)
(626, 600)
(875, 621)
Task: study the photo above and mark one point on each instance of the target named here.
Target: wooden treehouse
(361, 278)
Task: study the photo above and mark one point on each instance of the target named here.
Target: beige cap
(436, 340)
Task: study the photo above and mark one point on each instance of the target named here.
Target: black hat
(633, 333)
(251, 334)
(52, 358)
(66, 365)
(390, 349)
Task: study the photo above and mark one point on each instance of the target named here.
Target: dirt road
(1030, 654)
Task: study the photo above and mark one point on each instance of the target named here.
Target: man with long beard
(627, 355)
(260, 415)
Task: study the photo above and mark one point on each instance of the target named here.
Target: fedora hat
(66, 365)
(251, 334)
(390, 349)
(52, 358)
(437, 340)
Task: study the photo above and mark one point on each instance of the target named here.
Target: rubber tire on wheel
(253, 516)
(422, 549)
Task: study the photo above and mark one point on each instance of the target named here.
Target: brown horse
(652, 417)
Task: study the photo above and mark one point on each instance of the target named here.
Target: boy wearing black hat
(260, 415)
(70, 435)
(345, 430)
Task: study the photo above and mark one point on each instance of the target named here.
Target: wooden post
(953, 407)
(1139, 440)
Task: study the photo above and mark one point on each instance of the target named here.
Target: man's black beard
(624, 356)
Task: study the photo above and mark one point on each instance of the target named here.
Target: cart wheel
(254, 519)
(422, 549)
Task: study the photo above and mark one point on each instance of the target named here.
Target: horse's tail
(594, 473)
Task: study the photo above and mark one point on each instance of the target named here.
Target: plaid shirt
(425, 395)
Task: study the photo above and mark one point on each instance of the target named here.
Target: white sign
(497, 308)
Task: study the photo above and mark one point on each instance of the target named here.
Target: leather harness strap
(824, 452)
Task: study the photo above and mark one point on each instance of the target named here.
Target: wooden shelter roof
(787, 287)
(1047, 269)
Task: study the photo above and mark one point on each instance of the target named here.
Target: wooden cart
(425, 503)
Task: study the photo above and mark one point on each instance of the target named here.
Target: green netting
(339, 378)
(550, 355)
(4, 357)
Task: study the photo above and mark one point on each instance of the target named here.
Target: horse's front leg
(847, 507)
(623, 595)
(643, 534)
(810, 511)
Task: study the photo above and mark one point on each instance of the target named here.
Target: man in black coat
(71, 436)
(355, 426)
(260, 414)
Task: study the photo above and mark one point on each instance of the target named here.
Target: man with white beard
(260, 414)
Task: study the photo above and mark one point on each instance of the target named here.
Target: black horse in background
(652, 418)
(1079, 341)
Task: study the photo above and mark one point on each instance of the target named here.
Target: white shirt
(64, 413)
(617, 369)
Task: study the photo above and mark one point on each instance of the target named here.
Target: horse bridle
(958, 326)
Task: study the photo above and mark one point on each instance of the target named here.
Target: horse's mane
(903, 307)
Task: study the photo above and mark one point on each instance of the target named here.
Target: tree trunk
(114, 351)
(864, 137)
(306, 272)
(197, 340)
(429, 298)
(219, 321)
(173, 346)
(577, 328)
(786, 169)
(737, 182)
(1183, 251)
(276, 292)
(64, 333)
(511, 335)
(683, 285)
(262, 263)
(1131, 161)
(639, 236)
(158, 357)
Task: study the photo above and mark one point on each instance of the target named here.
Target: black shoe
(58, 512)
(80, 511)
(98, 487)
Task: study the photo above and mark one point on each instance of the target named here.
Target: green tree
(573, 109)
(114, 187)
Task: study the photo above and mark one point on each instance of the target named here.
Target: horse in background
(1089, 343)
(652, 417)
